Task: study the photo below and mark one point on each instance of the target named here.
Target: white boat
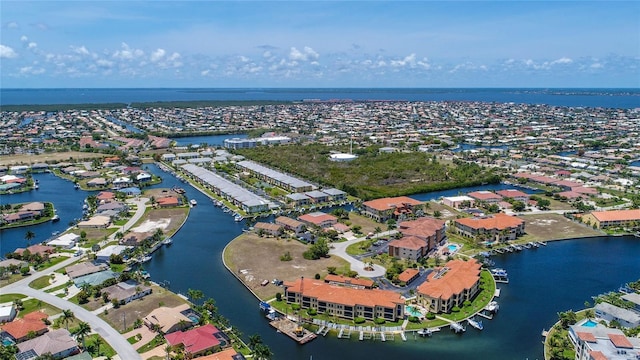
(493, 307)
(167, 241)
(36, 186)
(476, 324)
(425, 332)
(144, 259)
(238, 218)
(76, 186)
(193, 202)
(55, 218)
(457, 327)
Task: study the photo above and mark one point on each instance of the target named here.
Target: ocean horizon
(572, 97)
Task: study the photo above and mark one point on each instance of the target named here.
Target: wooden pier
(293, 330)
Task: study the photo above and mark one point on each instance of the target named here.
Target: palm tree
(97, 343)
(262, 352)
(82, 331)
(67, 315)
(29, 235)
(254, 340)
(195, 295)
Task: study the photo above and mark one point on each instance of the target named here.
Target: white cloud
(205, 72)
(30, 70)
(32, 45)
(24, 38)
(596, 66)
(13, 25)
(409, 60)
(157, 55)
(563, 60)
(80, 50)
(7, 52)
(127, 53)
(307, 54)
(105, 64)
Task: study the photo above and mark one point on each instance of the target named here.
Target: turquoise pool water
(413, 311)
(452, 248)
(589, 323)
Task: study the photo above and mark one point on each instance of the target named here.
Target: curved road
(109, 334)
(340, 249)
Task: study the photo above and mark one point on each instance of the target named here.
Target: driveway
(340, 249)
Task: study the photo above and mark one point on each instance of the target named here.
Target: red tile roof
(348, 280)
(317, 218)
(598, 355)
(408, 274)
(195, 340)
(408, 242)
(620, 341)
(617, 215)
(460, 275)
(498, 221)
(586, 336)
(485, 195)
(226, 354)
(20, 328)
(511, 193)
(423, 227)
(391, 203)
(345, 295)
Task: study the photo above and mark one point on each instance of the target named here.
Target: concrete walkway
(340, 249)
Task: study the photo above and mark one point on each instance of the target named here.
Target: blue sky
(319, 44)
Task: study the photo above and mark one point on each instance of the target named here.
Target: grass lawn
(481, 300)
(32, 305)
(103, 350)
(52, 261)
(5, 298)
(360, 248)
(40, 282)
(156, 341)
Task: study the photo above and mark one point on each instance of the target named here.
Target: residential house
(345, 302)
(449, 286)
(290, 224)
(297, 199)
(168, 201)
(98, 182)
(498, 227)
(318, 218)
(485, 196)
(95, 222)
(84, 268)
(21, 328)
(199, 340)
(168, 320)
(626, 318)
(58, 343)
(105, 254)
(115, 206)
(127, 291)
(226, 354)
(335, 194)
(514, 194)
(612, 218)
(458, 202)
(135, 238)
(633, 298)
(317, 196)
(389, 208)
(271, 229)
(601, 343)
(7, 313)
(66, 241)
(42, 250)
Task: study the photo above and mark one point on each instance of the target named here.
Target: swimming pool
(413, 311)
(589, 323)
(453, 248)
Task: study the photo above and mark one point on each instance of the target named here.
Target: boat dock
(457, 327)
(293, 330)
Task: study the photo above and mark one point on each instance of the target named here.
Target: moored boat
(476, 324)
(193, 202)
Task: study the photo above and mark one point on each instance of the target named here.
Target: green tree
(262, 352)
(82, 331)
(254, 340)
(195, 295)
(66, 317)
(29, 235)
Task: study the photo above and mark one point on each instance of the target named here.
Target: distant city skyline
(270, 44)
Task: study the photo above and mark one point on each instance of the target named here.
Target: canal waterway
(557, 277)
(211, 140)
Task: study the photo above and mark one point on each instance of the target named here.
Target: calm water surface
(562, 275)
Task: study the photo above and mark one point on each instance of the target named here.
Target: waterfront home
(95, 279)
(168, 201)
(42, 250)
(34, 207)
(514, 194)
(58, 343)
(626, 318)
(167, 320)
(633, 298)
(18, 169)
(389, 208)
(335, 194)
(319, 219)
(226, 354)
(458, 202)
(498, 227)
(355, 283)
(200, 340)
(95, 222)
(66, 241)
(114, 206)
(344, 301)
(121, 182)
(135, 238)
(103, 255)
(408, 247)
(451, 285)
(126, 291)
(105, 197)
(98, 182)
(317, 196)
(297, 199)
(271, 229)
(599, 342)
(486, 196)
(290, 224)
(7, 313)
(84, 268)
(612, 218)
(20, 329)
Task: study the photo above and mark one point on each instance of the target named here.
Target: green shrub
(359, 320)
(430, 316)
(455, 309)
(414, 319)
(295, 306)
(312, 312)
(379, 321)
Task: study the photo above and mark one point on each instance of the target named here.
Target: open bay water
(557, 277)
(608, 98)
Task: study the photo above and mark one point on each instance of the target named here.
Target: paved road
(340, 249)
(109, 334)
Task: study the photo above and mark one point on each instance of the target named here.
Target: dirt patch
(138, 309)
(169, 220)
(150, 226)
(254, 259)
(544, 227)
(49, 157)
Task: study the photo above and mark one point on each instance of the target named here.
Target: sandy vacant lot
(50, 157)
(542, 227)
(254, 259)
